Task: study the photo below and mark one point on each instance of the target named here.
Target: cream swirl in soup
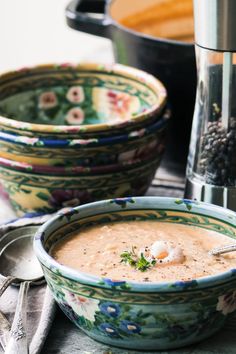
(145, 251)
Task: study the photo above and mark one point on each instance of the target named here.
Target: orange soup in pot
(169, 19)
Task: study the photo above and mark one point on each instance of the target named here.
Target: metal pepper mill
(211, 168)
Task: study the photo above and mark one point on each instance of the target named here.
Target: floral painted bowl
(147, 156)
(78, 100)
(89, 152)
(45, 193)
(135, 315)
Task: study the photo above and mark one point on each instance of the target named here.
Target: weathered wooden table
(65, 338)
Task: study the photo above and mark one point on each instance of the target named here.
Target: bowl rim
(42, 143)
(73, 171)
(141, 165)
(123, 70)
(225, 215)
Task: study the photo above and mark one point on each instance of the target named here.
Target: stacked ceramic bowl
(71, 134)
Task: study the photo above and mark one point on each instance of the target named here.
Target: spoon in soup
(19, 265)
(223, 249)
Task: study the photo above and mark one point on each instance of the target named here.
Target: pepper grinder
(211, 168)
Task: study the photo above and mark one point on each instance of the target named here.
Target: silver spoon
(5, 329)
(19, 265)
(223, 249)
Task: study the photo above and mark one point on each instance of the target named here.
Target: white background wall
(35, 31)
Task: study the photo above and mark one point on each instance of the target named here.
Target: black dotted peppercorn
(217, 161)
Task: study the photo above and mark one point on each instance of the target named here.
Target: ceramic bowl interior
(144, 316)
(88, 97)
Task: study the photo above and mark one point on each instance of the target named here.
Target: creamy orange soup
(166, 19)
(174, 251)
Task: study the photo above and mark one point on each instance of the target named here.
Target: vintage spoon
(5, 330)
(224, 249)
(19, 265)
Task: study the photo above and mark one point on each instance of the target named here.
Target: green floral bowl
(143, 316)
(45, 193)
(147, 156)
(78, 100)
(86, 152)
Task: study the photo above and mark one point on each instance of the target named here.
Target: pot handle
(88, 16)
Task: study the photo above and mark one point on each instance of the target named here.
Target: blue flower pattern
(109, 309)
(130, 327)
(109, 329)
(111, 282)
(115, 320)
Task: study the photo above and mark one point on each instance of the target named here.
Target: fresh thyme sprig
(140, 263)
(129, 257)
(143, 264)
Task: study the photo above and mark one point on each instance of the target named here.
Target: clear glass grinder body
(211, 169)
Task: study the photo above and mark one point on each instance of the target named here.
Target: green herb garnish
(129, 257)
(140, 263)
(143, 264)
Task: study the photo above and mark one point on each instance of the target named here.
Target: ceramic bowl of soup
(63, 101)
(136, 272)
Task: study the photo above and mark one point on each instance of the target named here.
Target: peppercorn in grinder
(211, 168)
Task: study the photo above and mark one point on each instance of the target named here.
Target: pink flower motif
(75, 116)
(75, 94)
(82, 141)
(3, 193)
(30, 141)
(47, 100)
(120, 101)
(20, 125)
(227, 303)
(24, 68)
(67, 129)
(67, 65)
(23, 164)
(138, 133)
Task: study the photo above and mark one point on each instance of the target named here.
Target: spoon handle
(6, 282)
(5, 329)
(224, 249)
(18, 340)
